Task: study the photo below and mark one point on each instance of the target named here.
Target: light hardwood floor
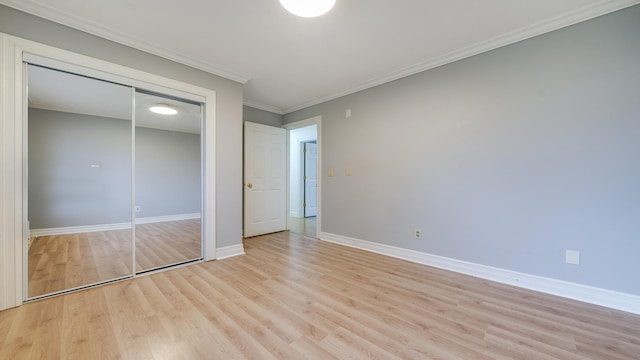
(60, 262)
(292, 297)
(304, 226)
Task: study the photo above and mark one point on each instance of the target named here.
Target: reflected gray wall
(505, 159)
(228, 127)
(167, 172)
(64, 188)
(261, 117)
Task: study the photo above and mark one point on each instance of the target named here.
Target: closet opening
(112, 188)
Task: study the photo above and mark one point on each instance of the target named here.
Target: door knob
(249, 185)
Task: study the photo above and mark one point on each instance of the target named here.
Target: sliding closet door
(168, 172)
(79, 181)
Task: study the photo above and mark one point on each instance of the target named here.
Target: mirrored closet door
(79, 181)
(114, 181)
(168, 181)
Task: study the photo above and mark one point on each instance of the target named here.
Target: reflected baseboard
(156, 219)
(109, 227)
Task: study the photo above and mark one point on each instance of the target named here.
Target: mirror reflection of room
(168, 181)
(79, 181)
(83, 137)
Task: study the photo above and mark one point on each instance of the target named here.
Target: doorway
(310, 178)
(304, 180)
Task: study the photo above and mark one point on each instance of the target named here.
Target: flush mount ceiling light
(308, 8)
(163, 109)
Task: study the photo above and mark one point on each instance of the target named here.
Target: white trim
(80, 229)
(11, 135)
(209, 206)
(108, 227)
(269, 108)
(573, 17)
(589, 294)
(12, 226)
(157, 219)
(303, 123)
(230, 251)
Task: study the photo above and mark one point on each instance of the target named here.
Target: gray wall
(261, 117)
(505, 159)
(64, 188)
(228, 103)
(167, 172)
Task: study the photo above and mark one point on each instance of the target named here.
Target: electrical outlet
(572, 257)
(417, 233)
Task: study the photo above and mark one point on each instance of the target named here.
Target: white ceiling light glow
(308, 8)
(163, 109)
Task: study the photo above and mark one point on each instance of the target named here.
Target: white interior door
(310, 178)
(265, 182)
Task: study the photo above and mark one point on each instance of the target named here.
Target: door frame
(316, 120)
(13, 132)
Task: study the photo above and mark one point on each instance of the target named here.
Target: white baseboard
(589, 294)
(157, 219)
(229, 251)
(79, 229)
(109, 227)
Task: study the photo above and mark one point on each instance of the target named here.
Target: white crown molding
(593, 295)
(229, 251)
(269, 108)
(583, 14)
(64, 18)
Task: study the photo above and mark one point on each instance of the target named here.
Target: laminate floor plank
(294, 297)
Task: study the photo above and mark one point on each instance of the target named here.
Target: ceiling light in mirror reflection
(163, 109)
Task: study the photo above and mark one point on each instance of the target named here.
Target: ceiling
(61, 91)
(288, 63)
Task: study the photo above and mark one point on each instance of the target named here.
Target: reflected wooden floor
(60, 262)
(304, 226)
(165, 243)
(292, 297)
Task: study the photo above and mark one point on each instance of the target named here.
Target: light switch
(330, 172)
(347, 170)
(347, 113)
